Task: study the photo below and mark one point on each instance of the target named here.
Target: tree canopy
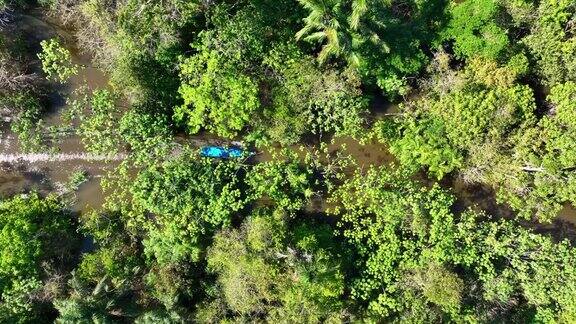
(338, 161)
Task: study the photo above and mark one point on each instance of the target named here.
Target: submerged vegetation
(469, 93)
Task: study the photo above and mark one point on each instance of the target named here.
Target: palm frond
(332, 47)
(359, 8)
(325, 53)
(354, 59)
(316, 37)
(304, 31)
(377, 41)
(332, 36)
(333, 23)
(312, 5)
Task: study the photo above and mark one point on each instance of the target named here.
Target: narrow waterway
(56, 168)
(47, 172)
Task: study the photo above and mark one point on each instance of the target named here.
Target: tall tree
(35, 234)
(277, 272)
(383, 40)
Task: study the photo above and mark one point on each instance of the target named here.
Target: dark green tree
(270, 270)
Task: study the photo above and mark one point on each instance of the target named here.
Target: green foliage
(21, 94)
(485, 126)
(16, 305)
(223, 83)
(545, 158)
(56, 61)
(395, 226)
(76, 179)
(326, 23)
(241, 37)
(106, 128)
(48, 3)
(187, 239)
(217, 96)
(408, 243)
(27, 122)
(154, 317)
(190, 197)
(423, 143)
(116, 261)
(97, 130)
(380, 38)
(552, 41)
(97, 114)
(285, 181)
(443, 130)
(474, 28)
(146, 135)
(32, 231)
(269, 271)
(306, 98)
(532, 167)
(24, 222)
(138, 43)
(232, 83)
(440, 286)
(102, 286)
(117, 256)
(512, 262)
(10, 4)
(95, 305)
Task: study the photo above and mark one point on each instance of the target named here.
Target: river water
(49, 173)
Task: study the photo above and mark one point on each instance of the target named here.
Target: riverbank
(45, 171)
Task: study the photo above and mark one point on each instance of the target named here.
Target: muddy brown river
(49, 172)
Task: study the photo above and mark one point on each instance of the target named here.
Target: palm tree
(338, 25)
(323, 25)
(102, 304)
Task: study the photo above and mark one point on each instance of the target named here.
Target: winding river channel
(46, 172)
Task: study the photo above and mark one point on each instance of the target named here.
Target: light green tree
(57, 61)
(475, 29)
(395, 226)
(217, 96)
(32, 231)
(552, 41)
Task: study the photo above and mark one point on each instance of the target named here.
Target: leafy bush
(266, 270)
(474, 28)
(56, 61)
(552, 41)
(309, 99)
(190, 198)
(217, 96)
(394, 226)
(32, 231)
(442, 130)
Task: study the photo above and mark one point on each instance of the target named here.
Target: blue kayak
(222, 152)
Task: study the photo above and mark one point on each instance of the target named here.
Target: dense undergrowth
(486, 92)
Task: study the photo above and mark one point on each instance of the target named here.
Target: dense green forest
(475, 94)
